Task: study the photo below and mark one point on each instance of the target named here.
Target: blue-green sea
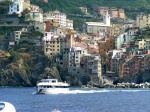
(78, 100)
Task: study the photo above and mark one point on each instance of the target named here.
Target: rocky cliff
(24, 69)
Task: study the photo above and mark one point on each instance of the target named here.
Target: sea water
(78, 100)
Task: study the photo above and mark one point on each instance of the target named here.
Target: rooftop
(96, 24)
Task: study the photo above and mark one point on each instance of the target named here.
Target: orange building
(51, 23)
(121, 13)
(105, 45)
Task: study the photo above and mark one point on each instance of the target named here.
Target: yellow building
(53, 44)
(114, 30)
(143, 20)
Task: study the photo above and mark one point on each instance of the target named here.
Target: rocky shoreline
(120, 85)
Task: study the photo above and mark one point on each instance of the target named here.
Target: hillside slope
(71, 6)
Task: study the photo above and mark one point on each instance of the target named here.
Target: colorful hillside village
(105, 51)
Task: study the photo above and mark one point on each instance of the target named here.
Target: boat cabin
(49, 80)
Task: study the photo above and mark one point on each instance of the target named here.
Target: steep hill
(71, 6)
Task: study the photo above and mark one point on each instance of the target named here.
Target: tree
(15, 55)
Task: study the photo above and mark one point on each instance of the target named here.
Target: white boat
(7, 107)
(52, 86)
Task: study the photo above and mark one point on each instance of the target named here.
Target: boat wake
(98, 91)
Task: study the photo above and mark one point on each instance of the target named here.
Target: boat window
(61, 87)
(49, 86)
(2, 106)
(65, 86)
(53, 81)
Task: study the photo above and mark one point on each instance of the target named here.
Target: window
(53, 81)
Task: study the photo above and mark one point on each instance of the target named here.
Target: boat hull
(52, 90)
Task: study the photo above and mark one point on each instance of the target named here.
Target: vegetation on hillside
(132, 7)
(4, 6)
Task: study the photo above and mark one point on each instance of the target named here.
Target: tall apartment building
(115, 61)
(94, 66)
(51, 44)
(120, 40)
(74, 57)
(60, 17)
(143, 20)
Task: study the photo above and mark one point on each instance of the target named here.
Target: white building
(69, 24)
(75, 55)
(48, 36)
(60, 17)
(97, 27)
(120, 40)
(18, 6)
(115, 60)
